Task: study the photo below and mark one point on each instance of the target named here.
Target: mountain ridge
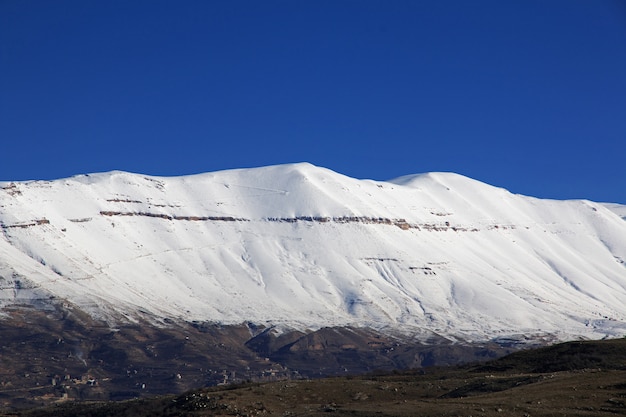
(300, 247)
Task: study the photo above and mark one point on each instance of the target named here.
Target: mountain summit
(301, 247)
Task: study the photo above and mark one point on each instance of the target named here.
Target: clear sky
(529, 95)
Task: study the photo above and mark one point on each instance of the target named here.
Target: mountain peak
(301, 246)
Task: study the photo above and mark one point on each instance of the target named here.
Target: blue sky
(527, 95)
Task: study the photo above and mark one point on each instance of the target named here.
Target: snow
(618, 209)
(304, 247)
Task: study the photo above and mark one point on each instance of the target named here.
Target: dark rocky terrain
(572, 379)
(61, 354)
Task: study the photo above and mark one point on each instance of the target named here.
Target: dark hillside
(62, 354)
(570, 379)
(608, 354)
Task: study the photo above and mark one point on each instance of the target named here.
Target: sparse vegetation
(524, 384)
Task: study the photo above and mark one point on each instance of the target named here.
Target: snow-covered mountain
(298, 246)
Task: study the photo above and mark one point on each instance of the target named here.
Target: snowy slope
(618, 209)
(304, 247)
